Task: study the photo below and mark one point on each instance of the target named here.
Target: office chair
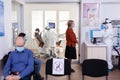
(49, 66)
(94, 68)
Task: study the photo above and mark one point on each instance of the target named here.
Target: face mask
(36, 32)
(20, 49)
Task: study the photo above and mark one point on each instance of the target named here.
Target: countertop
(93, 45)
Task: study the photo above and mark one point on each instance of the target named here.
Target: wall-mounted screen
(52, 25)
(1, 18)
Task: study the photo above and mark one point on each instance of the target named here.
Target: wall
(110, 10)
(6, 41)
(73, 8)
(20, 11)
(110, 0)
(84, 29)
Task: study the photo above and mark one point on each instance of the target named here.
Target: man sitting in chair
(20, 62)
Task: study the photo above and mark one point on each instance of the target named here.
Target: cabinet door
(96, 52)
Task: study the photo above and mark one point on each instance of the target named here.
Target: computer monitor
(95, 34)
(52, 25)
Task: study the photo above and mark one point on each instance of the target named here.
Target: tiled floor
(115, 75)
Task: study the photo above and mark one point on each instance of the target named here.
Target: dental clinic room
(59, 39)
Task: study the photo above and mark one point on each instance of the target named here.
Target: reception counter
(95, 51)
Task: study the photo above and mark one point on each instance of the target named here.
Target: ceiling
(66, 1)
(53, 0)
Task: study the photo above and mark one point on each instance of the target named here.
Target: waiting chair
(49, 66)
(94, 68)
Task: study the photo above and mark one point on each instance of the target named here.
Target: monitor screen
(95, 34)
(52, 25)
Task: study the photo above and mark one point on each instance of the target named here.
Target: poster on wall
(1, 17)
(91, 14)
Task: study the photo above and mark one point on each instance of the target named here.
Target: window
(64, 16)
(37, 21)
(41, 19)
(50, 17)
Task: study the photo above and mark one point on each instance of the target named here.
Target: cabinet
(95, 51)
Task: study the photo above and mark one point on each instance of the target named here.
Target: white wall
(110, 10)
(6, 41)
(84, 29)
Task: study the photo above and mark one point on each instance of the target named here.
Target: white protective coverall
(49, 39)
(107, 38)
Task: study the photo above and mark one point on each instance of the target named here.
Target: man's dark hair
(21, 35)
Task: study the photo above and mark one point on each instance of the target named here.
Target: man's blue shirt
(22, 62)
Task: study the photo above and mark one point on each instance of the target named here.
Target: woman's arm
(72, 37)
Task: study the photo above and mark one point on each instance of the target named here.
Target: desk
(95, 51)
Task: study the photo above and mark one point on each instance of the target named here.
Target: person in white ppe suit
(49, 39)
(107, 38)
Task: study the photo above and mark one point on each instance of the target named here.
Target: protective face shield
(20, 49)
(107, 20)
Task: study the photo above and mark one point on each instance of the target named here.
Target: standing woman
(71, 41)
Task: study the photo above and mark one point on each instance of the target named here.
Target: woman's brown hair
(70, 23)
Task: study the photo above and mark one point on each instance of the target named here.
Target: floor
(59, 55)
(115, 75)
